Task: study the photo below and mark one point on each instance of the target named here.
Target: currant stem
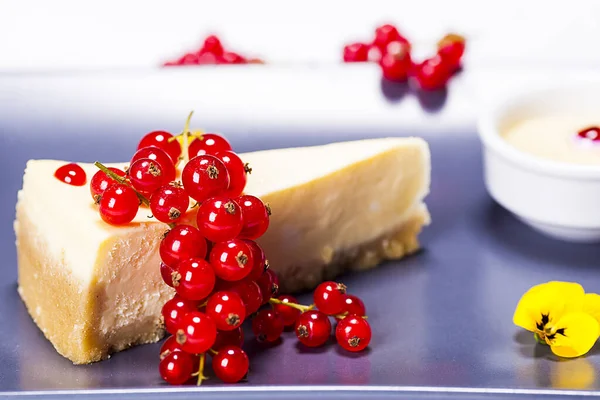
(300, 307)
(186, 137)
(213, 352)
(121, 180)
(110, 173)
(345, 314)
(196, 134)
(201, 376)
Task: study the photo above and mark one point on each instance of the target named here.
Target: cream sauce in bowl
(555, 137)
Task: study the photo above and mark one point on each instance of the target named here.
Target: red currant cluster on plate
(219, 273)
(312, 324)
(392, 51)
(212, 52)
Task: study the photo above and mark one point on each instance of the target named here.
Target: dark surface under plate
(442, 319)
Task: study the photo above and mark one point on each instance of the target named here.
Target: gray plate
(441, 319)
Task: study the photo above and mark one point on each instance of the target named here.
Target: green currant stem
(110, 173)
(300, 307)
(186, 137)
(196, 134)
(200, 372)
(345, 314)
(121, 180)
(213, 352)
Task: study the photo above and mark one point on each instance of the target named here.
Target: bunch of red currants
(392, 51)
(312, 324)
(219, 273)
(212, 52)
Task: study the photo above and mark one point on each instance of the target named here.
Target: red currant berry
(250, 293)
(386, 34)
(205, 176)
(181, 243)
(161, 139)
(432, 73)
(256, 216)
(267, 326)
(162, 159)
(174, 310)
(100, 182)
(119, 204)
(177, 368)
(207, 59)
(231, 364)
(226, 309)
(195, 279)
(354, 305)
(169, 346)
(288, 314)
(188, 59)
(230, 57)
(72, 174)
(353, 333)
(234, 337)
(329, 297)
(268, 284)
(451, 48)
(212, 45)
(219, 219)
(146, 176)
(396, 63)
(237, 172)
(169, 203)
(374, 54)
(197, 333)
(590, 133)
(167, 273)
(258, 258)
(313, 328)
(210, 143)
(356, 52)
(231, 260)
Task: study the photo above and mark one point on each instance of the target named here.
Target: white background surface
(344, 99)
(68, 34)
(47, 49)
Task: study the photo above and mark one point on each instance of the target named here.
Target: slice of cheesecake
(95, 289)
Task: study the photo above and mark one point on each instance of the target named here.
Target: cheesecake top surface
(67, 217)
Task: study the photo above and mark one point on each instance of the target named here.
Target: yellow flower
(591, 305)
(562, 315)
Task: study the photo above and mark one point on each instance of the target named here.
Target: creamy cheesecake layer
(345, 195)
(95, 289)
(88, 320)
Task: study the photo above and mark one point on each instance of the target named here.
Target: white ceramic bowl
(559, 199)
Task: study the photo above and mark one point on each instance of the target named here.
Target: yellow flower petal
(553, 299)
(574, 336)
(565, 352)
(591, 305)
